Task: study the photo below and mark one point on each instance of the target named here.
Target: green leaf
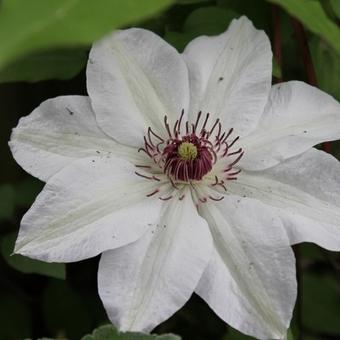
(26, 191)
(290, 335)
(27, 265)
(109, 332)
(233, 334)
(311, 252)
(276, 69)
(36, 25)
(178, 40)
(60, 64)
(258, 11)
(208, 21)
(202, 21)
(185, 2)
(321, 303)
(312, 15)
(7, 197)
(336, 7)
(327, 66)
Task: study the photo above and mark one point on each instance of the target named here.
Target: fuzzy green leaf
(109, 332)
(60, 64)
(27, 265)
(312, 15)
(36, 25)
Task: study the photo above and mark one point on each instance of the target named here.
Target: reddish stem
(301, 37)
(277, 41)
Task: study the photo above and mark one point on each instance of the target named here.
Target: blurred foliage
(313, 16)
(44, 40)
(38, 24)
(59, 64)
(109, 332)
(27, 265)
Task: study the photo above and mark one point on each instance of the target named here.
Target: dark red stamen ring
(187, 157)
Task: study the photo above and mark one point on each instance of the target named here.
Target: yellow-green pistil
(187, 151)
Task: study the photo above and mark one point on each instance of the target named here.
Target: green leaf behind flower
(109, 332)
(60, 64)
(312, 15)
(7, 204)
(210, 20)
(27, 265)
(327, 66)
(321, 303)
(36, 25)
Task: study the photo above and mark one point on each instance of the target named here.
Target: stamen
(143, 166)
(197, 120)
(234, 141)
(160, 138)
(167, 125)
(235, 152)
(147, 177)
(180, 121)
(166, 198)
(213, 128)
(216, 199)
(152, 193)
(187, 158)
(205, 122)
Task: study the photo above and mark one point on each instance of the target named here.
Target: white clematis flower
(190, 172)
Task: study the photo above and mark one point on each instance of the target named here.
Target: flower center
(192, 153)
(187, 158)
(187, 151)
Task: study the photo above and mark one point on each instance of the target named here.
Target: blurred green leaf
(312, 15)
(60, 64)
(290, 335)
(191, 1)
(65, 311)
(26, 191)
(7, 197)
(107, 332)
(258, 11)
(336, 7)
(311, 251)
(233, 334)
(327, 66)
(321, 303)
(27, 265)
(203, 21)
(276, 69)
(178, 40)
(208, 20)
(28, 26)
(15, 318)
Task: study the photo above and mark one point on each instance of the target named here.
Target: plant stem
(301, 37)
(277, 41)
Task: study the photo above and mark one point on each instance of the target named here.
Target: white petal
(59, 131)
(134, 78)
(250, 280)
(88, 207)
(305, 193)
(230, 75)
(144, 283)
(297, 117)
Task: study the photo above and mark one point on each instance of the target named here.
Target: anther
(216, 199)
(152, 193)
